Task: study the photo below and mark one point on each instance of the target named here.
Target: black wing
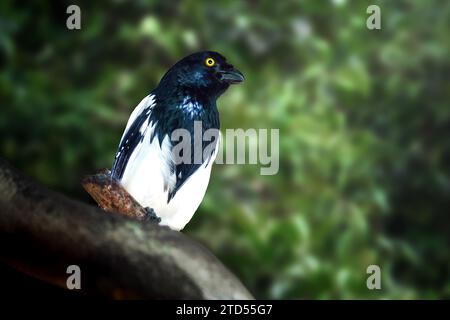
(185, 170)
(130, 139)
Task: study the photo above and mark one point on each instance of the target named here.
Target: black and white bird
(145, 164)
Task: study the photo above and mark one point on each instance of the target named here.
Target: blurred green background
(364, 121)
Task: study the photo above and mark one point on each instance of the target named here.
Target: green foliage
(363, 116)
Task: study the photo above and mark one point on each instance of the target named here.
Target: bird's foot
(151, 215)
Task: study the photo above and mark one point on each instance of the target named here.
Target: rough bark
(43, 232)
(112, 197)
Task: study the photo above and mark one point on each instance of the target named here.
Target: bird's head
(206, 72)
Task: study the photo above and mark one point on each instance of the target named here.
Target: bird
(145, 163)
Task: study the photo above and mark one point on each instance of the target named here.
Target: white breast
(148, 179)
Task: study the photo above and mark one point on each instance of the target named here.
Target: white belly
(147, 174)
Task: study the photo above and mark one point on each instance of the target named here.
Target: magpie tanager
(146, 164)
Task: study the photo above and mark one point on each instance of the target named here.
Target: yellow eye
(209, 62)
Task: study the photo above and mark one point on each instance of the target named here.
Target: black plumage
(186, 93)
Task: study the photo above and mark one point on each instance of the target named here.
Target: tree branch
(43, 232)
(111, 196)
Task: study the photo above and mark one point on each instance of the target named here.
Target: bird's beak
(231, 76)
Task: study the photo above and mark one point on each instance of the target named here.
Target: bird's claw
(151, 216)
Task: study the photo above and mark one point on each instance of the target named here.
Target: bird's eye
(209, 62)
